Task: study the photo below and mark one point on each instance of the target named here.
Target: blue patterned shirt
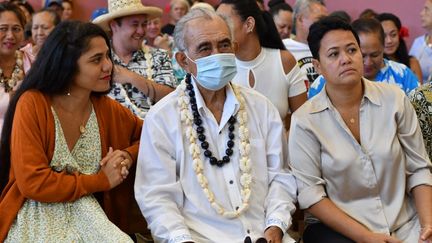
(392, 73)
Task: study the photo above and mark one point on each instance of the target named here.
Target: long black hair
(401, 53)
(54, 70)
(265, 26)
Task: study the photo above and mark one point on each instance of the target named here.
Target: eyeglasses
(14, 29)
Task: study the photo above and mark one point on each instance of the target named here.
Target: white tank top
(270, 78)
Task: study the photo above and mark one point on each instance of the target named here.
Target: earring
(68, 93)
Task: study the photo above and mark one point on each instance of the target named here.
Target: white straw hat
(122, 8)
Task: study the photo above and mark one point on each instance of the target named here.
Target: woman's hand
(162, 42)
(380, 238)
(116, 163)
(273, 234)
(426, 234)
(123, 75)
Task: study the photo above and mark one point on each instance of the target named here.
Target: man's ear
(182, 60)
(317, 65)
(113, 25)
(299, 18)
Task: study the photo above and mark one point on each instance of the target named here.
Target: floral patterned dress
(421, 99)
(80, 221)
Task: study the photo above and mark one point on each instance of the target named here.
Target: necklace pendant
(82, 129)
(352, 120)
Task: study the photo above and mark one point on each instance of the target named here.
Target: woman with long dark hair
(394, 45)
(64, 140)
(262, 61)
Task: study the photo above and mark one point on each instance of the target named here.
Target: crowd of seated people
(233, 122)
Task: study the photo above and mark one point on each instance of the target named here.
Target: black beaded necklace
(200, 129)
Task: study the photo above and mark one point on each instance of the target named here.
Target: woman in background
(262, 61)
(67, 10)
(283, 17)
(177, 9)
(12, 23)
(394, 45)
(43, 23)
(422, 45)
(155, 38)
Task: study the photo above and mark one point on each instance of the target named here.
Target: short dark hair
(26, 5)
(277, 5)
(265, 27)
(342, 14)
(12, 7)
(320, 28)
(369, 26)
(54, 70)
(368, 13)
(118, 21)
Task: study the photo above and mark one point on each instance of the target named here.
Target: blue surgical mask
(215, 71)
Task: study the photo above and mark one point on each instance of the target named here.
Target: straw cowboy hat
(122, 8)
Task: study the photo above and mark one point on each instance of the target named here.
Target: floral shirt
(421, 98)
(160, 71)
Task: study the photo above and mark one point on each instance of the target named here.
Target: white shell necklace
(195, 151)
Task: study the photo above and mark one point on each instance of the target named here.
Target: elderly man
(142, 75)
(375, 67)
(211, 166)
(306, 12)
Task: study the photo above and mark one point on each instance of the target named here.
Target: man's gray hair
(195, 13)
(301, 6)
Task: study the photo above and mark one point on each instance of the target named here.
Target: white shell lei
(17, 74)
(194, 149)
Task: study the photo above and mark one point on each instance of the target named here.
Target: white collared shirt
(370, 181)
(166, 186)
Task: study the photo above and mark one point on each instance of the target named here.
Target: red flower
(404, 32)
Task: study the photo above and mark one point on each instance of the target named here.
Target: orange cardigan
(32, 148)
